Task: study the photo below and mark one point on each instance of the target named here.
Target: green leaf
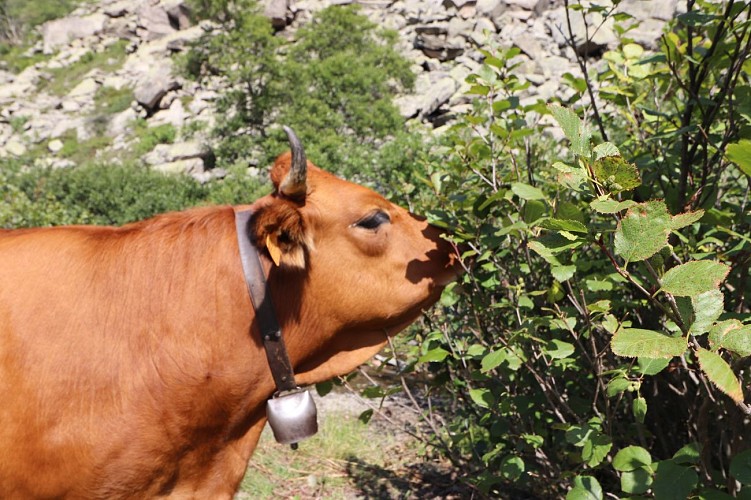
(365, 416)
(636, 481)
(707, 308)
(606, 205)
(689, 454)
(740, 154)
(558, 349)
(731, 335)
(437, 354)
(564, 225)
(526, 192)
(720, 374)
(639, 409)
(635, 342)
(695, 277)
(492, 360)
(323, 388)
(482, 397)
(740, 467)
(563, 273)
(643, 231)
(585, 488)
(616, 174)
(596, 449)
(616, 386)
(631, 458)
(673, 481)
(512, 467)
(573, 128)
(652, 366)
(685, 219)
(570, 177)
(605, 149)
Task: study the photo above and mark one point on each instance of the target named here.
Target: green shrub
(92, 194)
(333, 86)
(598, 343)
(63, 80)
(148, 137)
(109, 100)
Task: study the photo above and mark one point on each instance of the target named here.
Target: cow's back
(99, 329)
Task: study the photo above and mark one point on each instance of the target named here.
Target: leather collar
(260, 296)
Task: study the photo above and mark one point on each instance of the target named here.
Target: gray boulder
(59, 32)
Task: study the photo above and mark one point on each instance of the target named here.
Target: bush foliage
(599, 343)
(332, 85)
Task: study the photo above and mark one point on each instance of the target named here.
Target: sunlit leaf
(616, 174)
(573, 128)
(585, 488)
(740, 154)
(558, 349)
(695, 277)
(630, 458)
(482, 397)
(652, 366)
(564, 225)
(635, 342)
(689, 454)
(720, 373)
(493, 360)
(527, 192)
(639, 409)
(731, 335)
(643, 231)
(685, 219)
(609, 206)
(636, 481)
(707, 308)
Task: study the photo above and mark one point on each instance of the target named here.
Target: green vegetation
(17, 19)
(82, 152)
(148, 137)
(63, 80)
(319, 467)
(110, 101)
(599, 342)
(90, 194)
(332, 86)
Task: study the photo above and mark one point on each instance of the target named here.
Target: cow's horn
(295, 185)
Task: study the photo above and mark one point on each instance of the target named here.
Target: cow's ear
(280, 229)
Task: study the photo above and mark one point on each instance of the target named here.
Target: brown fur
(127, 369)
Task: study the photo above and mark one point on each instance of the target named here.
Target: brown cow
(130, 360)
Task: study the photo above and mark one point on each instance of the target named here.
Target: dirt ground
(352, 460)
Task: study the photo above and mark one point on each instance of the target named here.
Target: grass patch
(63, 80)
(82, 152)
(348, 459)
(318, 469)
(17, 20)
(148, 137)
(13, 58)
(109, 100)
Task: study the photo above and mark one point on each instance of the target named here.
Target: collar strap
(260, 296)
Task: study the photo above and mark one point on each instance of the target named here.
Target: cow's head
(348, 266)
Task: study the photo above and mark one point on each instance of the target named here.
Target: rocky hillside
(106, 83)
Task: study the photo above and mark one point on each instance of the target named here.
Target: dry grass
(348, 460)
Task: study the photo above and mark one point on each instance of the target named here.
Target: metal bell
(292, 416)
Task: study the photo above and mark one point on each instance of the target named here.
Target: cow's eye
(374, 220)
